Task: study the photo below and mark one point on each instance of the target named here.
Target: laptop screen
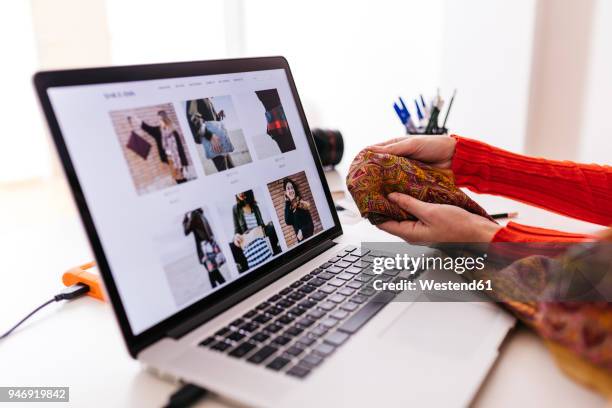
(192, 183)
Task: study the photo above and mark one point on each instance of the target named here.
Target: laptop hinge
(196, 321)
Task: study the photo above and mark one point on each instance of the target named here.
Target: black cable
(186, 396)
(71, 292)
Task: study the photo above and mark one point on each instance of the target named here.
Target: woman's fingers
(411, 231)
(418, 208)
(390, 141)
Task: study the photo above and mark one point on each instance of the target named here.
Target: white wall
(25, 152)
(596, 141)
(351, 60)
(487, 57)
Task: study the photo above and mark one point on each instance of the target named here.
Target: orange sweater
(582, 191)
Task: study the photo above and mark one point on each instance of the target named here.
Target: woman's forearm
(577, 190)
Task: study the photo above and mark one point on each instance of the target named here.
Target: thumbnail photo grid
(295, 208)
(216, 130)
(154, 147)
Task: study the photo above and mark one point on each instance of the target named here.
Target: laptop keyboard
(295, 330)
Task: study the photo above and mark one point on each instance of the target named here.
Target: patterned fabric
(372, 176)
(250, 220)
(277, 121)
(257, 252)
(530, 286)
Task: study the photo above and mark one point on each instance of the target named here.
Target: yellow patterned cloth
(372, 176)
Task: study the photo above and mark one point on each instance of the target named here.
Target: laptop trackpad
(453, 329)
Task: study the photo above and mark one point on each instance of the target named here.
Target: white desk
(78, 344)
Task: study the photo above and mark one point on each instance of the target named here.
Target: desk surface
(79, 345)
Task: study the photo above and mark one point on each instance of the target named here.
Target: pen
(504, 215)
(450, 105)
(419, 113)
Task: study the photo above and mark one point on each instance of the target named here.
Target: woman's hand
(238, 240)
(216, 143)
(438, 223)
(300, 236)
(437, 151)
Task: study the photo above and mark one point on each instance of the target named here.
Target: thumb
(405, 148)
(418, 208)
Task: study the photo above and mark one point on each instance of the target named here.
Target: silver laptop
(212, 224)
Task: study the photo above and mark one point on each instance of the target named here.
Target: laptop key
(339, 314)
(307, 304)
(274, 298)
(350, 258)
(346, 291)
(295, 296)
(336, 282)
(353, 269)
(263, 354)
(299, 371)
(221, 345)
(364, 314)
(294, 331)
(336, 338)
(345, 276)
(354, 285)
(273, 328)
(262, 305)
(306, 341)
(318, 296)
(242, 350)
(333, 269)
(349, 306)
(235, 336)
(275, 310)
(297, 311)
(285, 319)
(260, 337)
(319, 331)
(312, 360)
(306, 322)
(337, 298)
(324, 349)
(335, 259)
(296, 284)
(285, 303)
(237, 323)
(329, 322)
(250, 314)
(359, 299)
(285, 291)
(316, 314)
(342, 264)
(317, 282)
(327, 306)
(282, 340)
(325, 265)
(262, 318)
(327, 289)
(278, 363)
(249, 327)
(222, 332)
(294, 351)
(325, 275)
(207, 341)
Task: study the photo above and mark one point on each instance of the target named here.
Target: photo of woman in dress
(295, 207)
(255, 241)
(169, 144)
(209, 253)
(297, 211)
(154, 147)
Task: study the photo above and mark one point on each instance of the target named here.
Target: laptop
(206, 206)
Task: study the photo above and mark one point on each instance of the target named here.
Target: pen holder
(423, 131)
